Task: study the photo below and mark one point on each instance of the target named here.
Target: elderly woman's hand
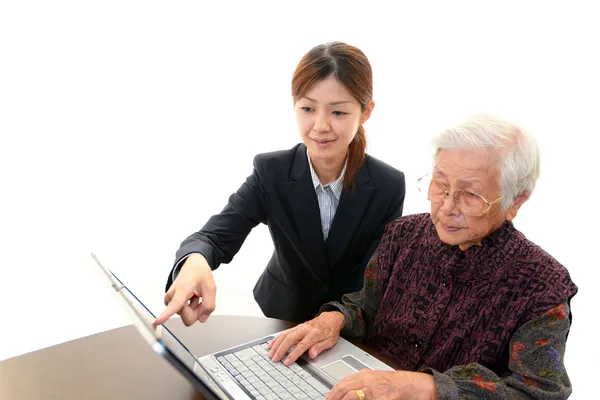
(385, 385)
(316, 335)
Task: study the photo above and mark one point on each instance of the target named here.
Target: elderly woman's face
(474, 171)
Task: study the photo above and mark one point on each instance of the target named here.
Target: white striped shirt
(328, 197)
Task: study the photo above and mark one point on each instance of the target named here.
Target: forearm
(353, 325)
(535, 362)
(359, 308)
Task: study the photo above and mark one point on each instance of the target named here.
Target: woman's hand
(192, 295)
(316, 335)
(385, 385)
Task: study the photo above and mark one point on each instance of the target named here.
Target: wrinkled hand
(385, 385)
(192, 294)
(316, 335)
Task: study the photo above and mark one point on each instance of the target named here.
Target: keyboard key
(256, 369)
(296, 368)
(229, 367)
(265, 391)
(246, 354)
(259, 385)
(269, 368)
(272, 384)
(304, 374)
(277, 376)
(230, 357)
(254, 380)
(286, 383)
(261, 374)
(279, 391)
(317, 385)
(262, 350)
(268, 380)
(294, 389)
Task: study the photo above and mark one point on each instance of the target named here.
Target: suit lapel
(301, 195)
(348, 216)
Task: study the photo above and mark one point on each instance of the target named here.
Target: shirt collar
(336, 186)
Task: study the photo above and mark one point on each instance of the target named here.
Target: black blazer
(304, 271)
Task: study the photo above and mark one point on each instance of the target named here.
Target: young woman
(325, 201)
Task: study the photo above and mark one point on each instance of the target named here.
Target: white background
(124, 125)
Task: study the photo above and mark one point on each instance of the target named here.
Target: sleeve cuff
(198, 247)
(445, 386)
(335, 306)
(178, 266)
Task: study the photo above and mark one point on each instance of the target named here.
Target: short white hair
(518, 154)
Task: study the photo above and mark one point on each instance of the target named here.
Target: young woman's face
(328, 118)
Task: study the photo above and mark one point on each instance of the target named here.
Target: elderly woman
(459, 299)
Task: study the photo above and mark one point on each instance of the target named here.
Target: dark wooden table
(118, 364)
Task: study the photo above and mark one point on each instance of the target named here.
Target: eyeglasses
(468, 203)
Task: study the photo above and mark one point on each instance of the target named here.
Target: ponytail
(356, 157)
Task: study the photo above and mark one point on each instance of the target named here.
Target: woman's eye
(339, 113)
(306, 109)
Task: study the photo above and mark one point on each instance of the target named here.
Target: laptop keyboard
(266, 380)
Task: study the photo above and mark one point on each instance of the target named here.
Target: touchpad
(338, 370)
(347, 366)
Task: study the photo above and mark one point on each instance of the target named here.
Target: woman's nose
(322, 124)
(449, 206)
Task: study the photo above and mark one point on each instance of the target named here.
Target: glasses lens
(469, 203)
(436, 192)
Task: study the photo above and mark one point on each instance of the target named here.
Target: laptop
(244, 371)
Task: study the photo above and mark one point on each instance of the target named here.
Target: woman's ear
(367, 113)
(514, 207)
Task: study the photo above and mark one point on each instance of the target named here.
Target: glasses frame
(454, 196)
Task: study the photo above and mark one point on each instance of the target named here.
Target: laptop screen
(143, 320)
(161, 333)
(162, 339)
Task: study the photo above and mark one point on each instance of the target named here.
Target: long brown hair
(351, 68)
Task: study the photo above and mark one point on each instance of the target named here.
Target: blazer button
(418, 344)
(444, 283)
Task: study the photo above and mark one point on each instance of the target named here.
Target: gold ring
(360, 394)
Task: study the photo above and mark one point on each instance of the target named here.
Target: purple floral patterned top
(491, 321)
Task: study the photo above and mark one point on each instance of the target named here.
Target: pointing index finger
(174, 306)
